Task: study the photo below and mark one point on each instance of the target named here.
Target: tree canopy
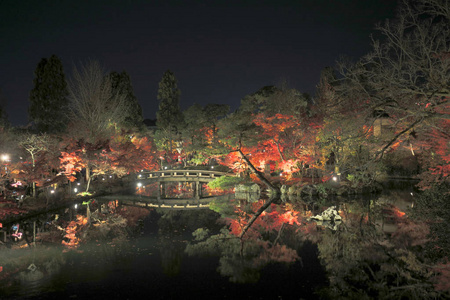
(48, 98)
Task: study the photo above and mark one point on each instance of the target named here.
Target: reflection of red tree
(72, 228)
(268, 221)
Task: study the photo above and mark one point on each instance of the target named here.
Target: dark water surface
(154, 264)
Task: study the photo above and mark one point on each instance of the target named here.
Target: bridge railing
(181, 173)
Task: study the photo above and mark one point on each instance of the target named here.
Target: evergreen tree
(121, 85)
(48, 98)
(3, 115)
(169, 116)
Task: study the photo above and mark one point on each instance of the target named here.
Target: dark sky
(219, 51)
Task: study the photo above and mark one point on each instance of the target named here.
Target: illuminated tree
(35, 144)
(120, 155)
(95, 106)
(48, 98)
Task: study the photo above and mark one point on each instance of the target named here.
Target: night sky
(219, 51)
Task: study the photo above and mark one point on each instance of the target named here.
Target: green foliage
(322, 189)
(200, 234)
(48, 98)
(222, 206)
(225, 182)
(351, 178)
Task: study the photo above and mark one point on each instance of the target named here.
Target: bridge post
(163, 190)
(158, 191)
(196, 190)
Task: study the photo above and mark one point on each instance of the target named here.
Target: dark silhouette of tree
(169, 118)
(3, 115)
(200, 133)
(48, 98)
(121, 84)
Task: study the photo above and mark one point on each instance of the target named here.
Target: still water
(152, 259)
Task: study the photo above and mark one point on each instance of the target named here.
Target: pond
(179, 254)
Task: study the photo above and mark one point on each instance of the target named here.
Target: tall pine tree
(48, 98)
(169, 118)
(3, 115)
(121, 84)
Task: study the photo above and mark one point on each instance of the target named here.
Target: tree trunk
(257, 214)
(279, 151)
(88, 177)
(34, 183)
(257, 173)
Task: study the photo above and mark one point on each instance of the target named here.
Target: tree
(94, 106)
(169, 117)
(121, 85)
(200, 133)
(3, 115)
(34, 144)
(48, 98)
(95, 109)
(406, 75)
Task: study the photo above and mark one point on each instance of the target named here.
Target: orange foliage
(73, 241)
(71, 163)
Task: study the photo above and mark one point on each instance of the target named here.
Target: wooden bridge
(195, 176)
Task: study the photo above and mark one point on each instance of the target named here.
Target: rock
(249, 192)
(249, 188)
(330, 214)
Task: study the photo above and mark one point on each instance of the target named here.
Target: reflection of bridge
(145, 201)
(195, 176)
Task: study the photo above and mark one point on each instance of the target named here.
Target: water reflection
(132, 250)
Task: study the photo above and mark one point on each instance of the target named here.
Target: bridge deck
(181, 175)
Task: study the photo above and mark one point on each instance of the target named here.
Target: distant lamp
(335, 178)
(75, 190)
(139, 184)
(212, 167)
(5, 157)
(165, 168)
(76, 206)
(52, 191)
